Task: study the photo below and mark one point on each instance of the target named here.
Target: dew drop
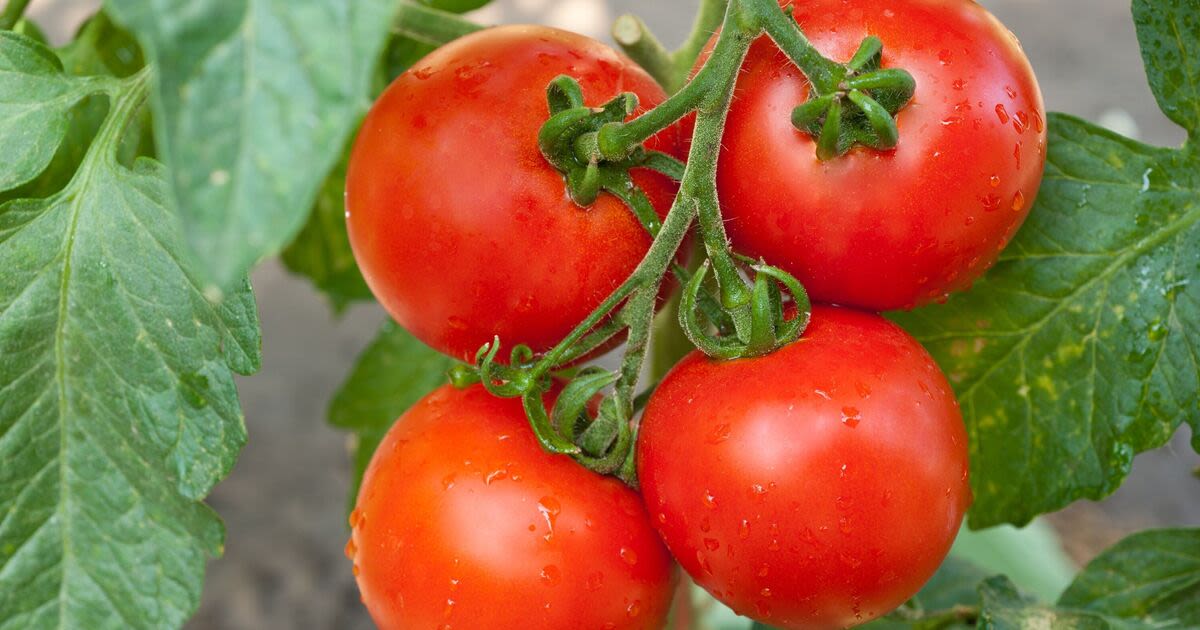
(763, 571)
(551, 575)
(709, 500)
(457, 323)
(712, 544)
(1002, 113)
(766, 592)
(719, 434)
(1018, 201)
(1010, 92)
(634, 609)
(355, 517)
(994, 181)
(351, 549)
(629, 556)
(851, 417)
(744, 529)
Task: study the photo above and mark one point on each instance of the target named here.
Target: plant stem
(431, 26)
(671, 69)
(635, 38)
(708, 20)
(12, 14)
(823, 73)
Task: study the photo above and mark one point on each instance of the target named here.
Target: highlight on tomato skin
(817, 487)
(460, 226)
(463, 521)
(887, 230)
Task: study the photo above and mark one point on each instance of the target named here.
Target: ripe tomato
(900, 228)
(463, 521)
(816, 487)
(461, 227)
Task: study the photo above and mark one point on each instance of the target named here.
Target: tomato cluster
(818, 486)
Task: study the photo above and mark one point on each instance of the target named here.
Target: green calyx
(859, 107)
(569, 141)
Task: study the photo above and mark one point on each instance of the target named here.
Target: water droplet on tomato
(763, 571)
(763, 609)
(744, 529)
(1018, 202)
(629, 556)
(945, 57)
(1010, 92)
(719, 434)
(850, 417)
(709, 500)
(712, 544)
(551, 575)
(1002, 113)
(634, 609)
(457, 323)
(355, 517)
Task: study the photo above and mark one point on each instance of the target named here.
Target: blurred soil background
(284, 503)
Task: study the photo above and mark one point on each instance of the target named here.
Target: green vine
(595, 146)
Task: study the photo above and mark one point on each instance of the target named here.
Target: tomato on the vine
(893, 229)
(463, 521)
(460, 226)
(816, 487)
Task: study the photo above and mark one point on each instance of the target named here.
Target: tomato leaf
(1005, 608)
(1080, 348)
(36, 98)
(321, 251)
(254, 99)
(391, 375)
(1169, 34)
(1152, 576)
(118, 410)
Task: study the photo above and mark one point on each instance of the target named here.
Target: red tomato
(461, 227)
(463, 521)
(900, 228)
(816, 487)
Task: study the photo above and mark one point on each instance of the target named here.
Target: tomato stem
(12, 14)
(429, 25)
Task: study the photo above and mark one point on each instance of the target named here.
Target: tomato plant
(519, 200)
(444, 237)
(818, 486)
(464, 521)
(935, 211)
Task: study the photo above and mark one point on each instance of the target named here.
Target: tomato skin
(461, 228)
(816, 487)
(463, 521)
(895, 229)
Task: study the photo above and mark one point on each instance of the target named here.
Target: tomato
(816, 487)
(461, 228)
(888, 230)
(463, 521)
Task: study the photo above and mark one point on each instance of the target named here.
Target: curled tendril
(766, 327)
(608, 441)
(506, 381)
(570, 409)
(863, 107)
(551, 440)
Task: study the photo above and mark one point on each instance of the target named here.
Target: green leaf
(1031, 556)
(1152, 576)
(99, 48)
(1080, 348)
(321, 252)
(1169, 33)
(254, 99)
(455, 6)
(118, 408)
(36, 98)
(391, 375)
(1005, 608)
